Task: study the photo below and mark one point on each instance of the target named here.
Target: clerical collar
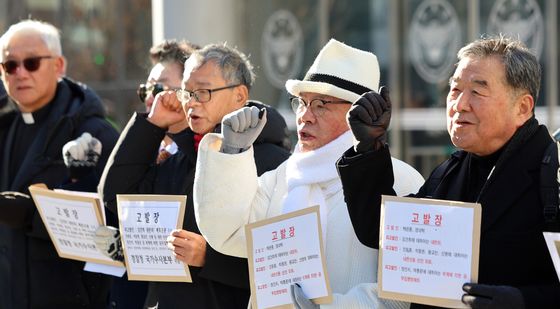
(28, 118)
(37, 116)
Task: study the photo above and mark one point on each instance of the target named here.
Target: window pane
(433, 33)
(523, 19)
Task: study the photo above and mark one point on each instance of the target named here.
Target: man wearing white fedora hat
(228, 194)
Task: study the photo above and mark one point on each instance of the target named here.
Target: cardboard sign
(285, 250)
(71, 219)
(428, 249)
(145, 221)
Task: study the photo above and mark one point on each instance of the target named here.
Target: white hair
(48, 33)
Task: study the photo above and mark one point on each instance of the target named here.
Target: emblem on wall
(282, 47)
(519, 19)
(434, 38)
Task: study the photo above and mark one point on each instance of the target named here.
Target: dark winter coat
(223, 281)
(512, 248)
(31, 273)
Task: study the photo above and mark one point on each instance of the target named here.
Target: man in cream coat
(228, 194)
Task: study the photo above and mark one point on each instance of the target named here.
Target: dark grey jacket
(31, 273)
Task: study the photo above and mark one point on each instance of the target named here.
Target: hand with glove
(369, 118)
(81, 155)
(299, 299)
(482, 296)
(108, 241)
(241, 128)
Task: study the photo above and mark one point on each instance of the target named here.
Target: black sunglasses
(154, 89)
(31, 64)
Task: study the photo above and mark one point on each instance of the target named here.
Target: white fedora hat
(340, 71)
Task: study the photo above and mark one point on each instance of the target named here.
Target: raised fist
(369, 118)
(83, 151)
(241, 128)
(81, 155)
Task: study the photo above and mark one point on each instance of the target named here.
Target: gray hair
(48, 33)
(522, 69)
(234, 65)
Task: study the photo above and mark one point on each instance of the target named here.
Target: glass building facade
(416, 41)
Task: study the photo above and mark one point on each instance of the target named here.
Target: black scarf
(519, 138)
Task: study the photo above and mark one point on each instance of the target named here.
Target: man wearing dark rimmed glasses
(216, 81)
(51, 110)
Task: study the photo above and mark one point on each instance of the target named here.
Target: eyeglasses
(154, 89)
(317, 106)
(31, 64)
(200, 95)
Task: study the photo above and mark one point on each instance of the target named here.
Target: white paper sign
(93, 195)
(117, 271)
(553, 244)
(71, 220)
(285, 250)
(145, 223)
(428, 249)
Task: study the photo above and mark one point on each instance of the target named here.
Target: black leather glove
(482, 296)
(369, 118)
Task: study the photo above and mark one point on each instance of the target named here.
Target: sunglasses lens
(142, 92)
(10, 66)
(32, 64)
(157, 89)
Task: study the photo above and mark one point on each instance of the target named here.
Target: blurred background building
(416, 41)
